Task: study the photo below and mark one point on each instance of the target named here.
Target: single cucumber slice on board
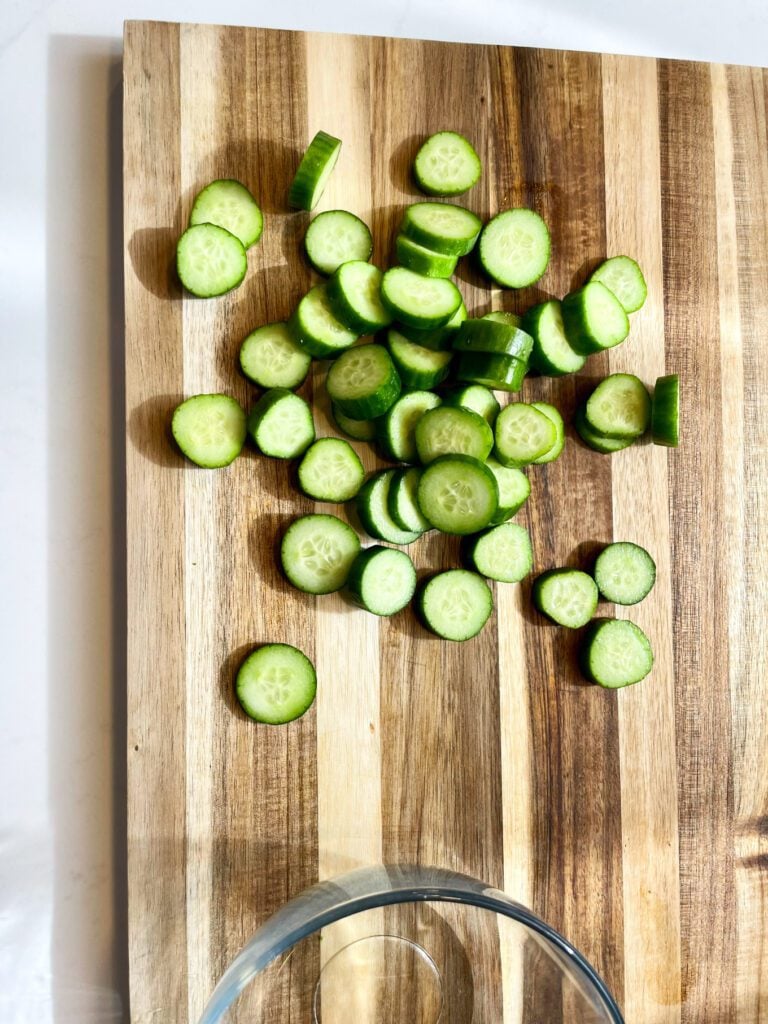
(552, 353)
(398, 426)
(514, 248)
(271, 358)
(615, 653)
(501, 553)
(417, 366)
(514, 489)
(372, 505)
(358, 430)
(354, 292)
(493, 337)
(209, 429)
(442, 227)
(500, 316)
(276, 684)
(316, 328)
(552, 413)
(281, 424)
(422, 302)
(566, 596)
(402, 500)
(598, 442)
(455, 604)
(422, 260)
(446, 165)
(452, 431)
(624, 573)
(335, 237)
(665, 411)
(229, 204)
(210, 260)
(331, 470)
(620, 406)
(523, 434)
(439, 338)
(382, 580)
(624, 278)
(475, 397)
(363, 382)
(594, 319)
(314, 171)
(458, 494)
(317, 552)
(500, 373)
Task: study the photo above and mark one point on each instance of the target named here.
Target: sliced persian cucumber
(455, 604)
(458, 494)
(281, 424)
(358, 430)
(625, 279)
(523, 434)
(620, 406)
(594, 319)
(514, 489)
(335, 237)
(354, 292)
(665, 411)
(363, 382)
(501, 553)
(372, 505)
(598, 442)
(382, 580)
(442, 227)
(552, 353)
(500, 373)
(615, 653)
(566, 596)
(494, 337)
(314, 171)
(439, 338)
(210, 260)
(276, 684)
(552, 413)
(422, 302)
(499, 316)
(272, 359)
(452, 431)
(402, 500)
(514, 248)
(422, 260)
(209, 429)
(315, 327)
(398, 426)
(418, 367)
(446, 165)
(331, 470)
(229, 204)
(624, 573)
(317, 552)
(475, 397)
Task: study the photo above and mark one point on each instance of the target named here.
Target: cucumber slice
(373, 509)
(398, 427)
(422, 302)
(422, 260)
(523, 434)
(314, 171)
(615, 653)
(594, 319)
(336, 237)
(382, 580)
(455, 604)
(417, 366)
(494, 337)
(477, 398)
(209, 429)
(363, 382)
(514, 248)
(501, 373)
(620, 406)
(624, 572)
(566, 596)
(458, 494)
(358, 430)
(598, 442)
(276, 684)
(281, 424)
(402, 500)
(665, 411)
(625, 279)
(230, 205)
(354, 292)
(439, 338)
(452, 431)
(271, 358)
(499, 316)
(331, 470)
(210, 260)
(514, 489)
(502, 553)
(552, 353)
(317, 552)
(442, 227)
(551, 412)
(315, 327)
(446, 165)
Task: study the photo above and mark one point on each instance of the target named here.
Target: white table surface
(62, 893)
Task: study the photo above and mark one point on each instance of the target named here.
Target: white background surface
(62, 902)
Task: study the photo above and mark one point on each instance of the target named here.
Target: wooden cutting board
(634, 822)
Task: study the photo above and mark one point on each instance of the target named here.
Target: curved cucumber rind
(665, 411)
(281, 424)
(514, 248)
(455, 605)
(493, 337)
(358, 430)
(382, 580)
(442, 227)
(354, 293)
(501, 373)
(363, 382)
(615, 653)
(624, 572)
(475, 397)
(271, 358)
(446, 165)
(315, 327)
(500, 316)
(501, 553)
(552, 353)
(514, 490)
(523, 434)
(438, 338)
(230, 205)
(417, 366)
(619, 406)
(209, 429)
(313, 172)
(335, 237)
(397, 433)
(210, 260)
(421, 302)
(372, 506)
(452, 431)
(594, 319)
(276, 684)
(624, 278)
(458, 494)
(552, 413)
(566, 596)
(317, 552)
(402, 500)
(331, 470)
(422, 260)
(598, 442)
